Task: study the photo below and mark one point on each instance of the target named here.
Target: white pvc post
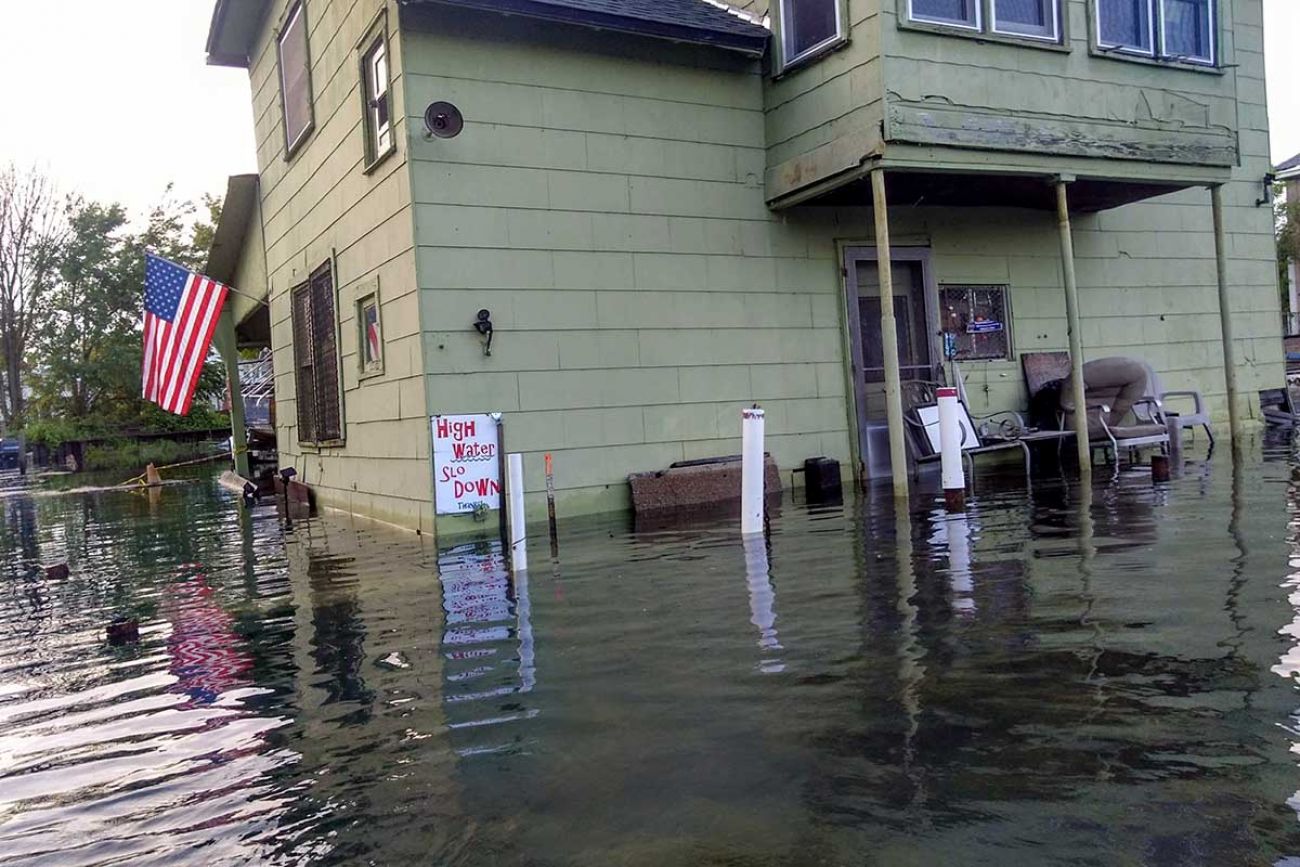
(762, 603)
(954, 475)
(518, 538)
(959, 565)
(752, 469)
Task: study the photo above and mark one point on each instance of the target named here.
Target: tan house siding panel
(320, 205)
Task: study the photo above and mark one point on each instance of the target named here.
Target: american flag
(180, 315)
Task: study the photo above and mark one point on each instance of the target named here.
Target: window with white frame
(958, 13)
(374, 75)
(807, 26)
(1177, 30)
(1032, 19)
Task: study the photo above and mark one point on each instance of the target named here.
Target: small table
(996, 442)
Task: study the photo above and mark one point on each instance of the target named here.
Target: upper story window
(295, 78)
(378, 102)
(808, 26)
(1177, 30)
(1034, 19)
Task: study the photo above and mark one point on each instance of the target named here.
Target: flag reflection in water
(207, 656)
(488, 644)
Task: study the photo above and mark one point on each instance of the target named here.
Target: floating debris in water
(123, 631)
(394, 660)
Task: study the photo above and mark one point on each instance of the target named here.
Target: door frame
(853, 255)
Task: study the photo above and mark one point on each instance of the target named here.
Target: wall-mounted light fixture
(483, 325)
(1269, 180)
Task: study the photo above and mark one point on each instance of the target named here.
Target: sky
(121, 102)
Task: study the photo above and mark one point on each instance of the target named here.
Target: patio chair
(1113, 392)
(1198, 417)
(1276, 406)
(921, 413)
(1044, 368)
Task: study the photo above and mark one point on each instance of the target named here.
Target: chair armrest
(1157, 408)
(1198, 402)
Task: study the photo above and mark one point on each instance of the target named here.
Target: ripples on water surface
(1042, 681)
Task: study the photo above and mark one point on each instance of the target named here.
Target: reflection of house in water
(487, 644)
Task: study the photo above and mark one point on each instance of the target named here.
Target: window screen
(1025, 17)
(1125, 24)
(316, 361)
(1187, 30)
(960, 12)
(974, 322)
(808, 24)
(295, 78)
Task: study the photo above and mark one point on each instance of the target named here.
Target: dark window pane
(1187, 29)
(1026, 17)
(1125, 23)
(295, 77)
(945, 11)
(973, 320)
(808, 24)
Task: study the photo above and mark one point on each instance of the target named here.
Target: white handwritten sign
(466, 463)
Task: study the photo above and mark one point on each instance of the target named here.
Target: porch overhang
(948, 177)
(234, 28)
(248, 304)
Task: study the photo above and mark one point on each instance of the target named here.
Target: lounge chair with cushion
(1120, 414)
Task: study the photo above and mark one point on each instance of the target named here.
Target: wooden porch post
(1225, 317)
(1076, 336)
(889, 336)
(228, 346)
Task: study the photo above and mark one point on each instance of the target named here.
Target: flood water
(1059, 677)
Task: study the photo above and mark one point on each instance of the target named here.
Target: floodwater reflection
(1086, 676)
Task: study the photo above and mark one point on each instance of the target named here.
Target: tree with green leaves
(87, 358)
(32, 231)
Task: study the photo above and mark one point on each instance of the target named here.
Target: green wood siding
(320, 204)
(948, 89)
(824, 117)
(610, 213)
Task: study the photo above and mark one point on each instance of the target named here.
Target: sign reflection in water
(487, 616)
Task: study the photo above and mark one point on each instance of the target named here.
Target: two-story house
(671, 209)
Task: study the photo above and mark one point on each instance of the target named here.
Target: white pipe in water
(950, 443)
(518, 537)
(752, 469)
